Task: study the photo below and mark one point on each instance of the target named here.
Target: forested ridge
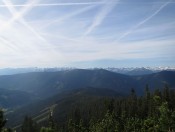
(153, 112)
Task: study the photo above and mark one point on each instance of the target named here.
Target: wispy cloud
(69, 16)
(55, 4)
(101, 16)
(22, 21)
(8, 44)
(17, 15)
(35, 34)
(76, 3)
(144, 21)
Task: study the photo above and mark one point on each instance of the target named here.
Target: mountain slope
(63, 103)
(68, 88)
(157, 80)
(14, 98)
(139, 71)
(45, 84)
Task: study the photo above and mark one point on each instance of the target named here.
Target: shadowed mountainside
(41, 85)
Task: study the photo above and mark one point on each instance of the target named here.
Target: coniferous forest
(152, 112)
(87, 65)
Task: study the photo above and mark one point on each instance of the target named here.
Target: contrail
(20, 19)
(144, 21)
(14, 13)
(101, 16)
(17, 15)
(6, 25)
(55, 4)
(69, 15)
(69, 4)
(8, 44)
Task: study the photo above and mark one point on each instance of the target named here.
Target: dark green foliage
(45, 129)
(41, 85)
(154, 112)
(2, 121)
(166, 119)
(150, 113)
(29, 125)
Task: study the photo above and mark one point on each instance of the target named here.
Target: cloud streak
(74, 4)
(17, 15)
(55, 4)
(8, 44)
(69, 16)
(64, 34)
(22, 21)
(101, 16)
(144, 21)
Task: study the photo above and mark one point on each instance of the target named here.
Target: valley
(35, 94)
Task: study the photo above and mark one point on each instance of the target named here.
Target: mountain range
(62, 89)
(123, 70)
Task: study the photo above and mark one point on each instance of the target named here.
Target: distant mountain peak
(140, 70)
(122, 70)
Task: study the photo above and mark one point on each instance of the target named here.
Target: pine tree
(166, 94)
(29, 125)
(133, 103)
(2, 120)
(44, 129)
(165, 117)
(51, 120)
(146, 102)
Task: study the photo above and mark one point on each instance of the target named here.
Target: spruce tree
(29, 125)
(2, 120)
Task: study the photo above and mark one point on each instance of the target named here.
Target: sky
(87, 33)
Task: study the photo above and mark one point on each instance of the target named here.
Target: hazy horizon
(83, 34)
(67, 67)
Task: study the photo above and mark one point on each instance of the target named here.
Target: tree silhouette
(2, 121)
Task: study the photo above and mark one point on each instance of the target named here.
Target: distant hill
(157, 80)
(122, 70)
(65, 89)
(45, 84)
(133, 71)
(140, 71)
(42, 85)
(14, 98)
(12, 71)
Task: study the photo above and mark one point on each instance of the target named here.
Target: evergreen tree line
(153, 112)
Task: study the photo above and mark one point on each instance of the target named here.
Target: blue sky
(87, 33)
